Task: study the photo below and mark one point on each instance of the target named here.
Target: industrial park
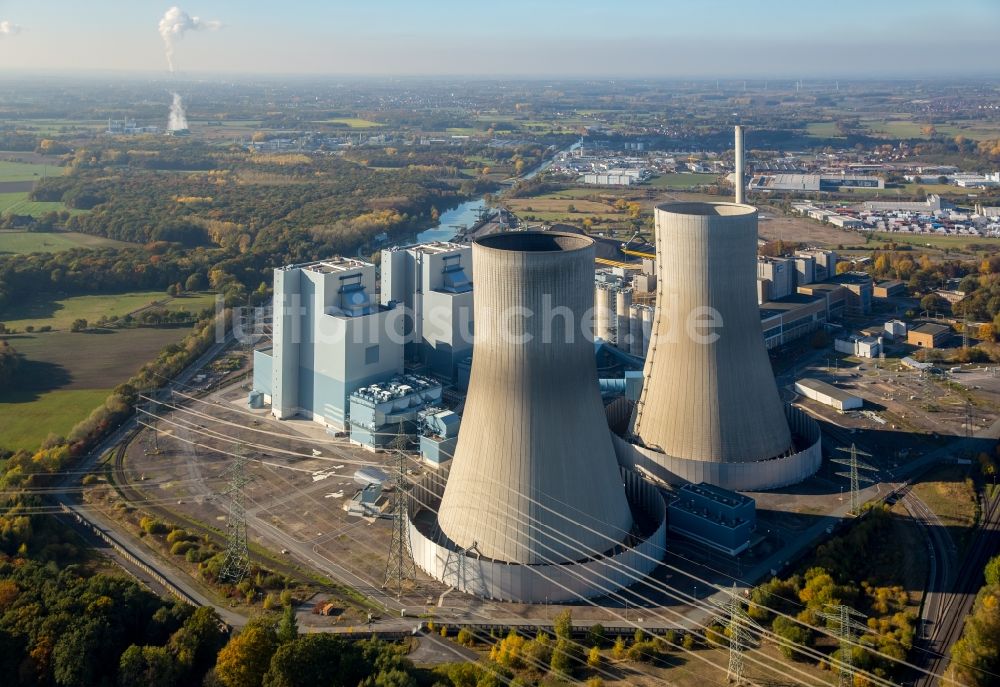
(320, 365)
(486, 431)
(482, 430)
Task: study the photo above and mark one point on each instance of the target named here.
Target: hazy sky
(647, 38)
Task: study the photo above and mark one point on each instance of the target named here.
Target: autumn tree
(246, 658)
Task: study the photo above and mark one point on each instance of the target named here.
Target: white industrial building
(828, 394)
(813, 182)
(330, 338)
(860, 346)
(616, 177)
(433, 283)
(896, 329)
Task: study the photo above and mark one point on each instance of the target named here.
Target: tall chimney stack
(740, 178)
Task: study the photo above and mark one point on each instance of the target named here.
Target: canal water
(468, 212)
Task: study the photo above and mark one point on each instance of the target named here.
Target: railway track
(958, 603)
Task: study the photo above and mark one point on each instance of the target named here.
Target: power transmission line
(399, 565)
(740, 639)
(844, 618)
(854, 475)
(237, 562)
(897, 660)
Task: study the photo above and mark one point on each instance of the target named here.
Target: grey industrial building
(709, 409)
(718, 518)
(329, 339)
(438, 435)
(433, 284)
(382, 411)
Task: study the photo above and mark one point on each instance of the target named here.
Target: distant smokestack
(740, 178)
(178, 118)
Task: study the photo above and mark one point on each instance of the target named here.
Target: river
(467, 213)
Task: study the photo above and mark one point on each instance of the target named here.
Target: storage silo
(710, 409)
(623, 301)
(635, 331)
(535, 505)
(603, 313)
(647, 327)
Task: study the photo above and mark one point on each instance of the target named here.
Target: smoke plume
(178, 119)
(8, 28)
(175, 23)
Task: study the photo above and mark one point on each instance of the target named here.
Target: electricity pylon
(844, 618)
(236, 565)
(740, 639)
(854, 464)
(399, 565)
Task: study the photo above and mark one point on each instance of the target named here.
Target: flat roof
(826, 389)
(335, 264)
(931, 328)
(890, 283)
(717, 494)
(791, 303)
(436, 247)
(852, 278)
(821, 286)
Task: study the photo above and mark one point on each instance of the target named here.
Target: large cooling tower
(534, 427)
(535, 504)
(709, 409)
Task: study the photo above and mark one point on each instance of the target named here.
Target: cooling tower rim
(703, 209)
(593, 576)
(532, 242)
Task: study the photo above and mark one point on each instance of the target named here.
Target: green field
(906, 128)
(682, 181)
(897, 129)
(29, 417)
(822, 129)
(18, 203)
(352, 122)
(946, 492)
(24, 242)
(59, 312)
(934, 241)
(23, 171)
(64, 376)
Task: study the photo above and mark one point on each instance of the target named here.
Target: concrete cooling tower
(710, 409)
(535, 506)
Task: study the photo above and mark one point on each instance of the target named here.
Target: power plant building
(776, 278)
(791, 318)
(380, 412)
(438, 435)
(828, 394)
(709, 409)
(330, 338)
(535, 506)
(719, 518)
(433, 284)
